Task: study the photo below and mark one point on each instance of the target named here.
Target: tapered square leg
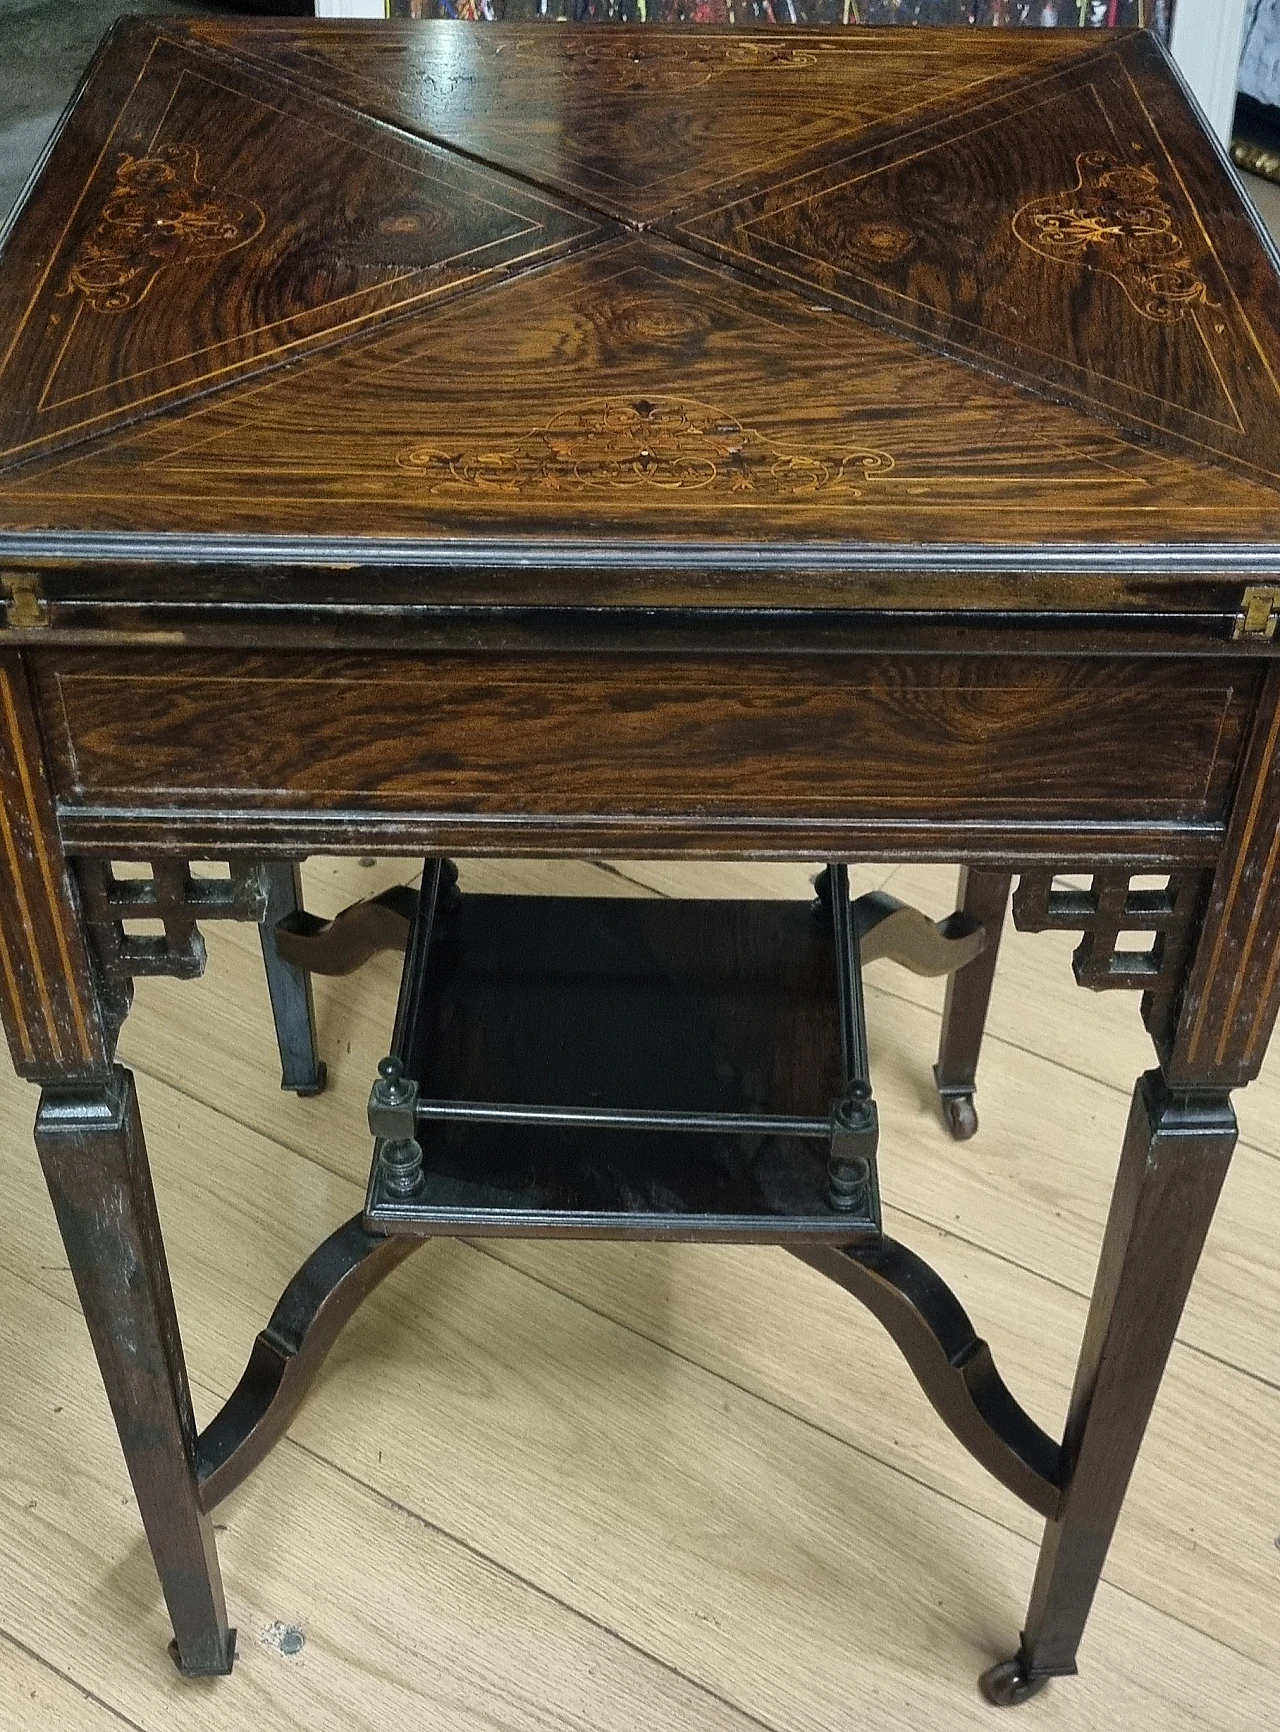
(1176, 1152)
(984, 896)
(91, 1147)
(292, 1004)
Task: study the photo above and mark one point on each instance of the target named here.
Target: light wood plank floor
(593, 1486)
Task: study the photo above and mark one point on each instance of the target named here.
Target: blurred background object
(1255, 142)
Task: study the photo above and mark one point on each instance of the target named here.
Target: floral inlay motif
(157, 214)
(1117, 221)
(624, 63)
(668, 443)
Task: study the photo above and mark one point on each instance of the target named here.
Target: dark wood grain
(1233, 991)
(192, 255)
(635, 393)
(704, 445)
(708, 104)
(1090, 274)
(48, 992)
(747, 737)
(1175, 1158)
(91, 1146)
(903, 387)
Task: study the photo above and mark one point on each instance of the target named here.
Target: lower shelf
(582, 1004)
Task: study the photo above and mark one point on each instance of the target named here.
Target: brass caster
(1007, 1684)
(961, 1116)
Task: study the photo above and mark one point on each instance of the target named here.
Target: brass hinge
(1259, 612)
(24, 605)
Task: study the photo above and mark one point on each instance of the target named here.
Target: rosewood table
(831, 447)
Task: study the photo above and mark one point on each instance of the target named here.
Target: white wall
(1260, 67)
(351, 9)
(1206, 43)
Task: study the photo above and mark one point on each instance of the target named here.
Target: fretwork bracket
(1105, 911)
(176, 898)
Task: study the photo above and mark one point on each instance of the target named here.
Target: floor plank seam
(949, 1231)
(375, 1491)
(552, 1598)
(1267, 1383)
(907, 1214)
(756, 1395)
(468, 1546)
(526, 1582)
(1181, 1623)
(848, 1443)
(753, 1394)
(991, 1038)
(139, 1068)
(1081, 1294)
(89, 1695)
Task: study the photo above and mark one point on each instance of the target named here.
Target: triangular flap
(639, 121)
(224, 223)
(635, 390)
(1048, 232)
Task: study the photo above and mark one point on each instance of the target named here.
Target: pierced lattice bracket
(174, 897)
(1106, 910)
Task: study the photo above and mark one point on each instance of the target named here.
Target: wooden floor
(600, 1487)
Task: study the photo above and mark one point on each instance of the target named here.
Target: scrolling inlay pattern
(679, 66)
(1115, 221)
(650, 442)
(158, 213)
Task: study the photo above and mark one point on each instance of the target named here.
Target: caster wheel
(1007, 1685)
(307, 1090)
(961, 1116)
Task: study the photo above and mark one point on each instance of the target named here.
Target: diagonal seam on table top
(558, 226)
(55, 439)
(1141, 414)
(494, 173)
(543, 186)
(270, 44)
(608, 225)
(763, 228)
(249, 458)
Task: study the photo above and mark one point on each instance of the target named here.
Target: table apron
(766, 754)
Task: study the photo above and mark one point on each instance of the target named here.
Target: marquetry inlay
(1115, 220)
(646, 442)
(48, 998)
(625, 65)
(157, 214)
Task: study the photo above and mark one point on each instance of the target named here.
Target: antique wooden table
(847, 446)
